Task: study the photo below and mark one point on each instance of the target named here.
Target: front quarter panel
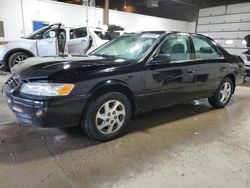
(89, 79)
(29, 45)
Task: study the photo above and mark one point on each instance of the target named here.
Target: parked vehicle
(128, 75)
(246, 55)
(51, 41)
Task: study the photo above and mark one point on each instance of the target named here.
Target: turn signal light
(3, 43)
(66, 89)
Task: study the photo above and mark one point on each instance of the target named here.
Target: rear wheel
(16, 58)
(107, 116)
(223, 94)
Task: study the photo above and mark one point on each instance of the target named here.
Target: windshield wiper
(110, 56)
(104, 55)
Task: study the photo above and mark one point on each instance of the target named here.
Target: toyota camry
(132, 74)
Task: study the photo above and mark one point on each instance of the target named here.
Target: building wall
(11, 15)
(75, 15)
(226, 24)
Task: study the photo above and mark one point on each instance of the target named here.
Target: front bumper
(53, 112)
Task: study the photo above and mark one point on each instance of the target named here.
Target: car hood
(43, 67)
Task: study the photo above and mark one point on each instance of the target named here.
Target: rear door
(170, 81)
(78, 42)
(210, 67)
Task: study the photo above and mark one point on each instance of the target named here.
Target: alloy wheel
(110, 117)
(225, 92)
(19, 59)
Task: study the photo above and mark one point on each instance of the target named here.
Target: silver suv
(52, 40)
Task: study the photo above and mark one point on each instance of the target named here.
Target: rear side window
(78, 33)
(204, 48)
(103, 35)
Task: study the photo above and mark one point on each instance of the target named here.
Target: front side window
(177, 47)
(51, 33)
(132, 46)
(204, 48)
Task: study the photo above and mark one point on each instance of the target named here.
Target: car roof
(170, 32)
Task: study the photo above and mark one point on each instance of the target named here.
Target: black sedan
(129, 75)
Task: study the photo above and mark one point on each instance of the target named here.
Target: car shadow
(246, 83)
(22, 143)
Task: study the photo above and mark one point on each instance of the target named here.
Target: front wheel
(16, 58)
(223, 94)
(107, 116)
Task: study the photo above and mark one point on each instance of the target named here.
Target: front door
(47, 45)
(170, 76)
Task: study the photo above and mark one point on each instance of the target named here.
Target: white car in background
(246, 58)
(52, 40)
(246, 55)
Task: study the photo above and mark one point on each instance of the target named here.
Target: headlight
(244, 57)
(47, 89)
(3, 43)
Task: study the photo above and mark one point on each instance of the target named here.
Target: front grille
(14, 82)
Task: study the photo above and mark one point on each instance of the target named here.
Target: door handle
(50, 42)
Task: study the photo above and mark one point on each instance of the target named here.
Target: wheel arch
(111, 86)
(12, 51)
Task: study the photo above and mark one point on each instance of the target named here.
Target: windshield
(132, 46)
(35, 33)
(44, 33)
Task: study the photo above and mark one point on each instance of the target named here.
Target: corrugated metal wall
(228, 25)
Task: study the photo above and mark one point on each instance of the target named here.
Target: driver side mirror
(161, 59)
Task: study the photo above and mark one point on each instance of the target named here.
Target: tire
(225, 89)
(16, 58)
(107, 116)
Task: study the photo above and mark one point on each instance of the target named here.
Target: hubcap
(225, 92)
(110, 117)
(19, 58)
